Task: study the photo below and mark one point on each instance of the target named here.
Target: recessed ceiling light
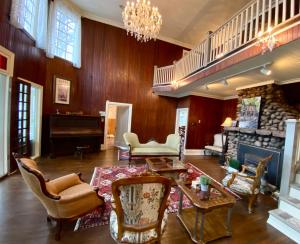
(265, 71)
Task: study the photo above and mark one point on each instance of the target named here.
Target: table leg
(202, 227)
(228, 226)
(196, 224)
(180, 202)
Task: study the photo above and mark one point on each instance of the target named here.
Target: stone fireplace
(271, 129)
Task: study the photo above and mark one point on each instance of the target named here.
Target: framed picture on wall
(62, 89)
(249, 113)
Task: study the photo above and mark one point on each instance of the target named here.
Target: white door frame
(109, 103)
(9, 72)
(40, 108)
(177, 125)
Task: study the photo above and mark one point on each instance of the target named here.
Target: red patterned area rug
(103, 177)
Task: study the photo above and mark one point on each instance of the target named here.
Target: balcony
(257, 21)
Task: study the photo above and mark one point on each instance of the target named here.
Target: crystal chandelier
(141, 20)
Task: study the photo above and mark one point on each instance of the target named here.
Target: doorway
(117, 122)
(181, 124)
(29, 117)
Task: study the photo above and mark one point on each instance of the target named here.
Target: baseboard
(191, 152)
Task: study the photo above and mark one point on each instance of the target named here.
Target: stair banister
(291, 155)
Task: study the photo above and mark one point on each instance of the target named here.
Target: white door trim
(108, 103)
(9, 72)
(186, 127)
(10, 61)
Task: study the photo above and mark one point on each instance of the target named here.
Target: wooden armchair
(139, 212)
(247, 185)
(64, 198)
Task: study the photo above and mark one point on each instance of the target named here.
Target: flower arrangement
(204, 180)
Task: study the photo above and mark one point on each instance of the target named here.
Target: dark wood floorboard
(23, 218)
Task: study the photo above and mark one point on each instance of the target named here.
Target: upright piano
(70, 131)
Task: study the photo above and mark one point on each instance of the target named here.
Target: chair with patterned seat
(139, 212)
(247, 185)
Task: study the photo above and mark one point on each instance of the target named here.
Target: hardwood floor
(23, 218)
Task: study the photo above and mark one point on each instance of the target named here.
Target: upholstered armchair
(247, 185)
(64, 198)
(139, 212)
(151, 149)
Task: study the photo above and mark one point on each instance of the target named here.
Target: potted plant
(204, 182)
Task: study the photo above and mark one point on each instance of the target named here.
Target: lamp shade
(227, 122)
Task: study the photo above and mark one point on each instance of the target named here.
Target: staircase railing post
(291, 155)
(155, 75)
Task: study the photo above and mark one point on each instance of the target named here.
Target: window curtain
(42, 24)
(17, 19)
(64, 7)
(17, 14)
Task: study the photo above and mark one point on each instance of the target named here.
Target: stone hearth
(274, 112)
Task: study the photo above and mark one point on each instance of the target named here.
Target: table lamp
(227, 123)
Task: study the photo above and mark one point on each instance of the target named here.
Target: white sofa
(152, 149)
(217, 147)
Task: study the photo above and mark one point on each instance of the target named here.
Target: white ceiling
(184, 22)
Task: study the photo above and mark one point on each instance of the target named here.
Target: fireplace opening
(251, 155)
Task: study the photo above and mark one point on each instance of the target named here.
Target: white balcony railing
(164, 75)
(244, 27)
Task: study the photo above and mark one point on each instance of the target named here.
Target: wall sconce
(267, 41)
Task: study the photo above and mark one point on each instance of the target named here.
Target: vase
(204, 187)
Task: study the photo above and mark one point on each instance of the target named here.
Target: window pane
(25, 124)
(66, 30)
(20, 106)
(25, 106)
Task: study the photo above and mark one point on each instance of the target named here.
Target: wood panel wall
(117, 68)
(205, 118)
(229, 109)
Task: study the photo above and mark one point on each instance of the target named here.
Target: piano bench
(81, 150)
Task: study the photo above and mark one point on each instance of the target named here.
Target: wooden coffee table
(169, 167)
(215, 213)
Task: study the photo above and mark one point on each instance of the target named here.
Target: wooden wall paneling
(184, 102)
(229, 109)
(63, 69)
(209, 112)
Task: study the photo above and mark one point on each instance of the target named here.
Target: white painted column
(291, 155)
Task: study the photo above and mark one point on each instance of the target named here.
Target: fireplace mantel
(261, 132)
